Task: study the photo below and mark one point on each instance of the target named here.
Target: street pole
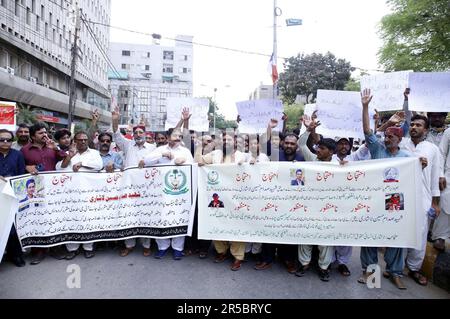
(275, 14)
(73, 67)
(215, 105)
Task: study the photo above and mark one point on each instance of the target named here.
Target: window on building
(168, 55)
(126, 53)
(46, 30)
(148, 54)
(124, 66)
(50, 18)
(33, 6)
(147, 67)
(42, 12)
(16, 8)
(168, 68)
(3, 2)
(28, 18)
(38, 23)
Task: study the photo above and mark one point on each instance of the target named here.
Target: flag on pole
(273, 68)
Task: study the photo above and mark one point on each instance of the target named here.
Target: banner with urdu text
(54, 208)
(370, 203)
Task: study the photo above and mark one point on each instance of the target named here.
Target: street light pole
(215, 105)
(276, 12)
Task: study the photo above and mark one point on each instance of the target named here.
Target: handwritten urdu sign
(387, 89)
(430, 92)
(256, 114)
(372, 203)
(197, 107)
(340, 114)
(155, 202)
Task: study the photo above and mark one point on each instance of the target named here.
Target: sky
(346, 28)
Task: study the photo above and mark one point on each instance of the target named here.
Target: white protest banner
(340, 114)
(56, 208)
(8, 116)
(387, 89)
(308, 110)
(256, 114)
(197, 107)
(7, 201)
(430, 92)
(372, 203)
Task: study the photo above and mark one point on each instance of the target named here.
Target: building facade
(263, 92)
(36, 38)
(144, 76)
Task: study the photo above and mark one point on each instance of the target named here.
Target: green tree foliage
(293, 113)
(25, 115)
(353, 85)
(416, 36)
(305, 74)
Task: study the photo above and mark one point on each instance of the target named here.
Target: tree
(416, 36)
(305, 74)
(25, 115)
(353, 85)
(293, 113)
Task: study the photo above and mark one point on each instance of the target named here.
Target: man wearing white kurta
(172, 153)
(134, 151)
(83, 159)
(438, 134)
(441, 229)
(417, 146)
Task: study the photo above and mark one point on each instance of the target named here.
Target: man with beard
(111, 160)
(438, 135)
(172, 153)
(134, 151)
(286, 253)
(393, 256)
(324, 152)
(23, 137)
(161, 139)
(430, 157)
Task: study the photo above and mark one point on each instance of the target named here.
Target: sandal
(418, 277)
(343, 269)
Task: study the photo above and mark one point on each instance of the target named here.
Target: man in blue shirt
(394, 257)
(12, 163)
(111, 160)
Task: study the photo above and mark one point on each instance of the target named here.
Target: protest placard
(340, 114)
(387, 89)
(256, 114)
(197, 107)
(430, 91)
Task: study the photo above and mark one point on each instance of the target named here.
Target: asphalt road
(108, 275)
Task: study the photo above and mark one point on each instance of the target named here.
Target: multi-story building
(144, 76)
(263, 92)
(36, 37)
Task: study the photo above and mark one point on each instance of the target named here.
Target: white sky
(347, 28)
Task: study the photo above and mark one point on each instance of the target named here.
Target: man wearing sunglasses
(12, 163)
